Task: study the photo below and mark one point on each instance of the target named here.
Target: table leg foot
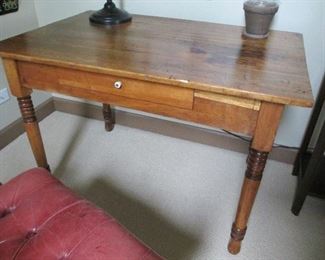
(237, 235)
(108, 117)
(255, 166)
(234, 246)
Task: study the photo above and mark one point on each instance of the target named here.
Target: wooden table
(201, 72)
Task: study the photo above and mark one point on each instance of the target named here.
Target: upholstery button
(3, 214)
(7, 211)
(31, 233)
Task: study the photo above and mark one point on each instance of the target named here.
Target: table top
(199, 55)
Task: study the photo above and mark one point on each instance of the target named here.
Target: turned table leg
(27, 112)
(32, 130)
(267, 124)
(108, 117)
(256, 161)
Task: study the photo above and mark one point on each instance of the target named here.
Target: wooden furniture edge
(236, 101)
(163, 80)
(45, 77)
(11, 69)
(202, 111)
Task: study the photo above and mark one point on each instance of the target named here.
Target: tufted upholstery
(42, 219)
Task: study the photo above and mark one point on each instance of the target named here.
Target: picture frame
(8, 6)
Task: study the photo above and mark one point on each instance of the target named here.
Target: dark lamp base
(110, 15)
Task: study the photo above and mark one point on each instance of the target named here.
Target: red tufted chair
(42, 219)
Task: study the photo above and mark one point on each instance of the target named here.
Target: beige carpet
(177, 196)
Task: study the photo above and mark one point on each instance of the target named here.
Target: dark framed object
(309, 165)
(8, 6)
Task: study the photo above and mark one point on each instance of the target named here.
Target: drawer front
(53, 78)
(226, 112)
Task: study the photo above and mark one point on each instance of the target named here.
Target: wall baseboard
(16, 128)
(171, 129)
(147, 123)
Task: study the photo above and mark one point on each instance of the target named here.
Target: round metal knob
(118, 84)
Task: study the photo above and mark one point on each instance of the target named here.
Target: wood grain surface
(16, 88)
(241, 102)
(197, 55)
(204, 111)
(266, 127)
(44, 75)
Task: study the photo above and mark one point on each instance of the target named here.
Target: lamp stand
(110, 15)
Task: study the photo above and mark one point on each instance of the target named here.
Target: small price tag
(8, 6)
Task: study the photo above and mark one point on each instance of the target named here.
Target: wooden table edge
(168, 81)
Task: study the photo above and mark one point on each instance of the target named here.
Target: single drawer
(57, 79)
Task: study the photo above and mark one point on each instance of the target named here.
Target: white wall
(306, 17)
(12, 24)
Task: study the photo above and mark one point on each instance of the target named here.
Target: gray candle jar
(259, 15)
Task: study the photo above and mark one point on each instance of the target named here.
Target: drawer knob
(118, 84)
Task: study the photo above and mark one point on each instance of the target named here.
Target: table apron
(220, 111)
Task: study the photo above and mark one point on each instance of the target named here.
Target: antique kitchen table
(201, 72)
